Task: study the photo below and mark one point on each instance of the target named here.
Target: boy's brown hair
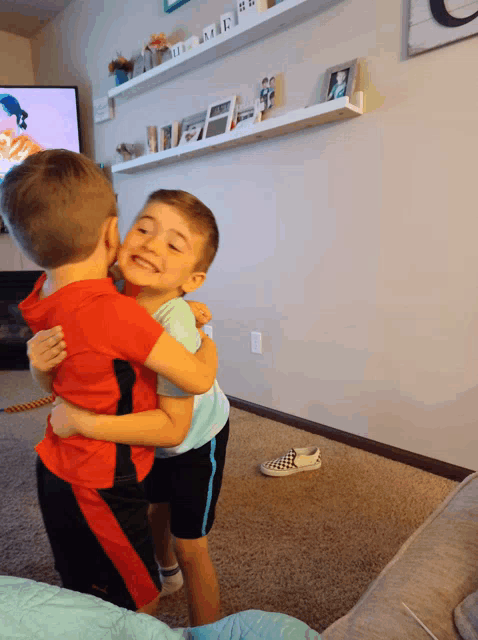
(199, 217)
(54, 204)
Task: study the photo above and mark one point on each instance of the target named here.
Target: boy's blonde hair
(197, 215)
(54, 204)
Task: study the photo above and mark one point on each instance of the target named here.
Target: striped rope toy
(28, 405)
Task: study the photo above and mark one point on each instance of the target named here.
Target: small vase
(120, 76)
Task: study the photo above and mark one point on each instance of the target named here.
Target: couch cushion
(432, 573)
(466, 617)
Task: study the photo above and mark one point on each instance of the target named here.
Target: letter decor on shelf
(177, 49)
(227, 21)
(209, 32)
(172, 5)
(432, 25)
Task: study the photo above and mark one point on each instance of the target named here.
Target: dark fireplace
(14, 331)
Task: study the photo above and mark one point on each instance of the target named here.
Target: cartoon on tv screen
(36, 118)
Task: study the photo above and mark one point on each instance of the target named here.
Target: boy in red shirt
(61, 211)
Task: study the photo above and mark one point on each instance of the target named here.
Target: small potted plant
(158, 42)
(120, 67)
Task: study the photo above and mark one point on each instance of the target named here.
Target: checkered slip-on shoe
(293, 461)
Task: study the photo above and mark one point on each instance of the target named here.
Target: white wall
(350, 246)
(16, 55)
(16, 68)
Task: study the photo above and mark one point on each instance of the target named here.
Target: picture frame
(339, 81)
(219, 117)
(194, 122)
(169, 136)
(191, 134)
(247, 115)
(172, 5)
(270, 91)
(103, 110)
(152, 138)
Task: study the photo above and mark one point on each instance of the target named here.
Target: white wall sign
(434, 23)
(209, 32)
(103, 110)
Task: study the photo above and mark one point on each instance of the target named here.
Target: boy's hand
(47, 349)
(201, 313)
(67, 420)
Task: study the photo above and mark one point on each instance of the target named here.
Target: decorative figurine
(125, 150)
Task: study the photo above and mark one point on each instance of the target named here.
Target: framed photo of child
(219, 117)
(271, 92)
(169, 136)
(264, 94)
(339, 81)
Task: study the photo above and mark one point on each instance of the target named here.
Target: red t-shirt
(108, 337)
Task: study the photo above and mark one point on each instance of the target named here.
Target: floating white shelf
(317, 114)
(282, 15)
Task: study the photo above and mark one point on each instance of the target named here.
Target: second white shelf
(315, 115)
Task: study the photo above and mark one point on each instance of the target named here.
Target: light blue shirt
(211, 409)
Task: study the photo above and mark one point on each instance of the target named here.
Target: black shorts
(190, 483)
(101, 539)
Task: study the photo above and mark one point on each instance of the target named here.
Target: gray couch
(434, 571)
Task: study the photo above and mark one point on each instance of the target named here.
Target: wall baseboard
(439, 468)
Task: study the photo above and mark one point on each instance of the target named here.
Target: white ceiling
(26, 17)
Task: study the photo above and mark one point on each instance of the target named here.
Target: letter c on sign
(441, 15)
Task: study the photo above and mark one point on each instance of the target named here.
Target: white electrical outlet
(256, 342)
(207, 330)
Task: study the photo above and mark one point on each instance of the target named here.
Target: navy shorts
(101, 539)
(190, 483)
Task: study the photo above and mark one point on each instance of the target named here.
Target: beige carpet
(307, 545)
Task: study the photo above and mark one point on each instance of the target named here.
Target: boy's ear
(112, 239)
(194, 281)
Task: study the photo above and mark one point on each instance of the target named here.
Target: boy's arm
(194, 373)
(159, 428)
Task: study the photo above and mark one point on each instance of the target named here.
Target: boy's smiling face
(160, 253)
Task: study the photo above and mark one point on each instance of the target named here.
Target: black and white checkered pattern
(283, 463)
(295, 460)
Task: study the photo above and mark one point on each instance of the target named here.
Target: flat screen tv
(36, 118)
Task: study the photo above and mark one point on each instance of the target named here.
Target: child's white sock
(171, 579)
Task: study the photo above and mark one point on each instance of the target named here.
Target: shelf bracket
(357, 100)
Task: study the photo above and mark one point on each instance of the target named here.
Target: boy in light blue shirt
(338, 90)
(165, 255)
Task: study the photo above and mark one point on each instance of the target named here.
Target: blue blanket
(32, 610)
